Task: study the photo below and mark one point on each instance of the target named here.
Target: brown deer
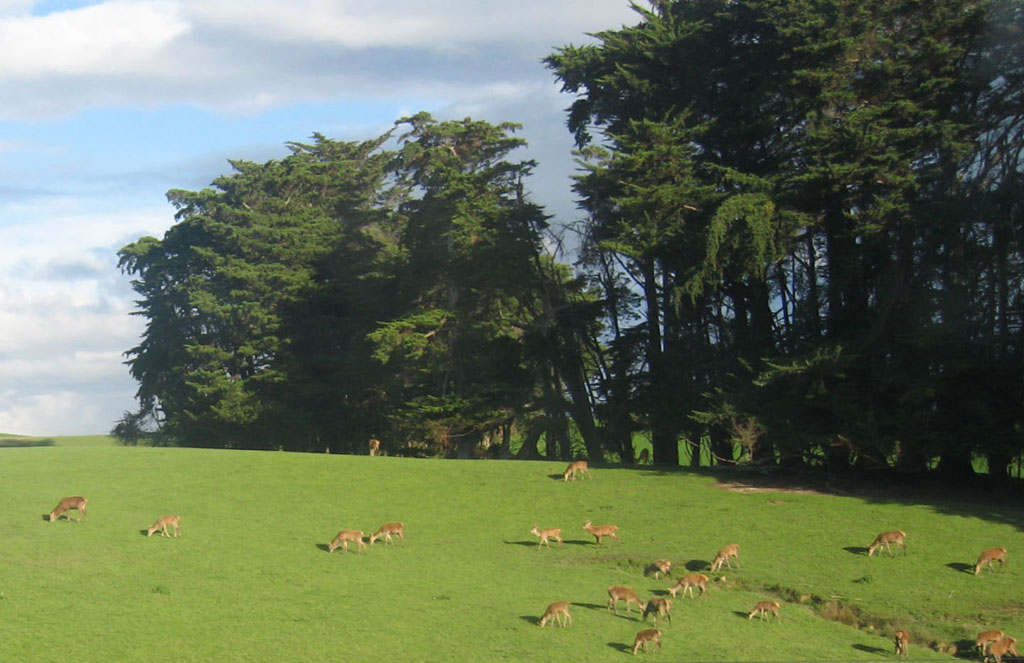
(901, 639)
(885, 538)
(577, 467)
(68, 503)
(644, 458)
(659, 607)
(343, 538)
(985, 638)
(730, 551)
(763, 608)
(618, 593)
(659, 567)
(373, 446)
(545, 534)
(1002, 647)
(644, 637)
(989, 557)
(388, 529)
(559, 611)
(601, 531)
(162, 523)
(688, 582)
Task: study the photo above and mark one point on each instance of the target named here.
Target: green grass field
(251, 579)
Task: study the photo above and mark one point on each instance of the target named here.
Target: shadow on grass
(856, 550)
(531, 619)
(740, 613)
(621, 647)
(591, 606)
(323, 546)
(963, 568)
(867, 649)
(697, 565)
(19, 442)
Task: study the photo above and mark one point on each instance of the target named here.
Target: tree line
(800, 244)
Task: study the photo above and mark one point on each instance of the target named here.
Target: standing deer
(659, 607)
(885, 538)
(580, 467)
(763, 608)
(559, 611)
(1002, 647)
(161, 524)
(545, 534)
(68, 503)
(644, 458)
(618, 593)
(373, 446)
(730, 551)
(386, 530)
(989, 557)
(601, 531)
(659, 567)
(985, 638)
(645, 637)
(343, 538)
(901, 639)
(688, 582)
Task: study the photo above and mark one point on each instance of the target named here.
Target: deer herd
(994, 644)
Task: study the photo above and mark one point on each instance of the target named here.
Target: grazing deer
(344, 536)
(659, 567)
(645, 637)
(374, 446)
(659, 607)
(386, 530)
(885, 538)
(644, 457)
(161, 524)
(763, 608)
(559, 611)
(989, 557)
(985, 638)
(601, 531)
(618, 593)
(688, 582)
(730, 551)
(68, 503)
(545, 534)
(902, 639)
(576, 467)
(1002, 647)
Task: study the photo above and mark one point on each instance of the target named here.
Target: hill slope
(250, 577)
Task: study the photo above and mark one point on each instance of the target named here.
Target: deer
(989, 557)
(344, 536)
(386, 530)
(901, 639)
(1002, 647)
(68, 503)
(659, 567)
(644, 457)
(688, 582)
(985, 638)
(885, 538)
(601, 531)
(576, 467)
(559, 611)
(373, 446)
(659, 607)
(545, 534)
(644, 637)
(763, 608)
(618, 593)
(162, 523)
(730, 551)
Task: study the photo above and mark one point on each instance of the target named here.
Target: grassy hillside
(251, 579)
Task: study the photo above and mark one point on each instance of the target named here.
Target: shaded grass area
(250, 577)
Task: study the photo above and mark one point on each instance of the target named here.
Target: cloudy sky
(108, 104)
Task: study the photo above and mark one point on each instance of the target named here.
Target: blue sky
(108, 104)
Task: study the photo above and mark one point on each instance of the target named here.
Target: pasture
(250, 577)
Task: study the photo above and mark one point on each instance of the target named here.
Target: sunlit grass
(250, 578)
